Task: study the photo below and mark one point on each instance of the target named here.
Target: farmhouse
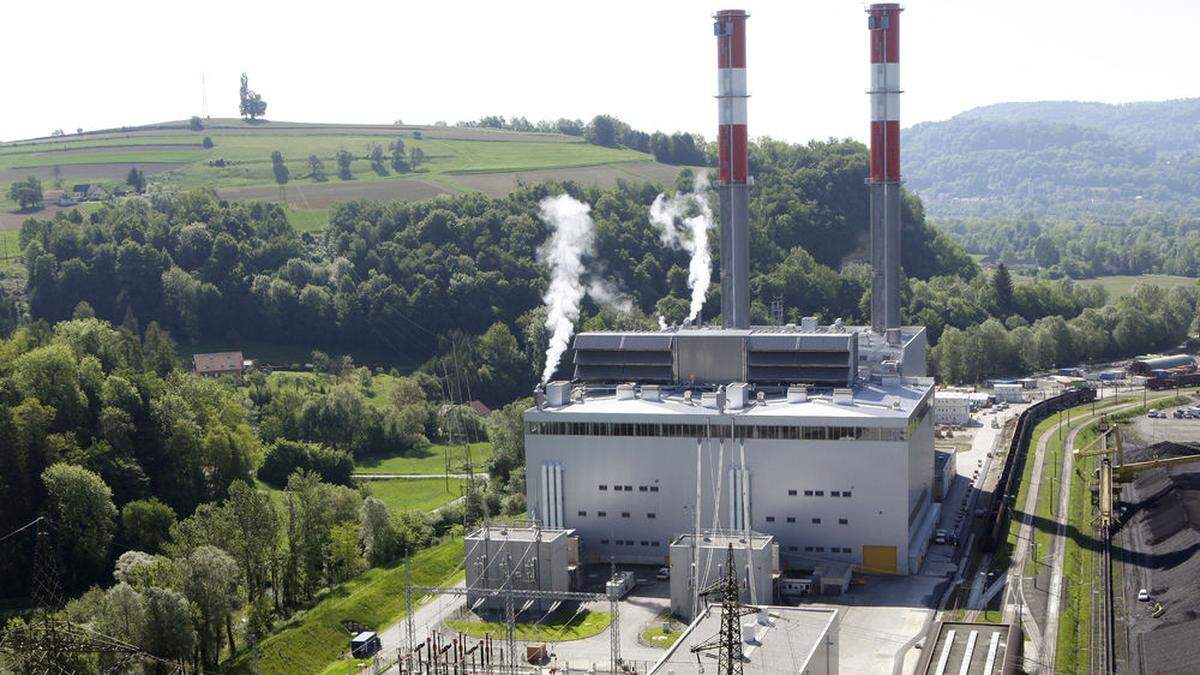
(87, 192)
(218, 364)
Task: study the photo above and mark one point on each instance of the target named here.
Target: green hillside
(1058, 159)
(238, 165)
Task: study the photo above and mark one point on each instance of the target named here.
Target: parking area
(1168, 427)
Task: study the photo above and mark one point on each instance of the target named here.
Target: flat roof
(724, 539)
(966, 648)
(893, 403)
(522, 534)
(784, 646)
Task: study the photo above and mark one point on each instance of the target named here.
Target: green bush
(285, 457)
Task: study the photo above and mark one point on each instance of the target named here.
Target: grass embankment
(429, 460)
(421, 494)
(560, 626)
(316, 638)
(1003, 555)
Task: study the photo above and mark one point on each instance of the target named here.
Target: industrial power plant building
(820, 436)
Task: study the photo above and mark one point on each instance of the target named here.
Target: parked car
(1143, 595)
(663, 573)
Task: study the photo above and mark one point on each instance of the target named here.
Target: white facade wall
(1010, 393)
(951, 409)
(790, 483)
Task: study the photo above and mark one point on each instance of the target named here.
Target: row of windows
(820, 493)
(624, 514)
(630, 542)
(629, 488)
(764, 432)
(815, 521)
(821, 549)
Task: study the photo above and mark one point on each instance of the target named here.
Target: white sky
(83, 64)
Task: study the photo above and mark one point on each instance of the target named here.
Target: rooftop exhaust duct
(733, 186)
(883, 22)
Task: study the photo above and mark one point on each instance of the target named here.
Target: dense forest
(1154, 244)
(1058, 159)
(145, 476)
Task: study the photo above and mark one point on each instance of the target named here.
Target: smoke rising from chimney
(695, 218)
(573, 238)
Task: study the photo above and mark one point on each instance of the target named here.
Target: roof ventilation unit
(709, 399)
(843, 396)
(736, 395)
(797, 394)
(808, 324)
(625, 392)
(557, 393)
(651, 392)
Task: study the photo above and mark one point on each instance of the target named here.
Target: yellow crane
(1105, 429)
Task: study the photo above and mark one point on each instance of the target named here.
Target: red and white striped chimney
(731, 94)
(734, 167)
(883, 22)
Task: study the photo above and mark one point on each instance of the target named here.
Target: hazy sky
(83, 64)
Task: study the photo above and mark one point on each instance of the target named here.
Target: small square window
(816, 521)
(654, 544)
(835, 493)
(791, 493)
(629, 488)
(820, 493)
(583, 514)
(791, 519)
(604, 541)
(845, 493)
(792, 549)
(603, 488)
(654, 488)
(808, 493)
(820, 549)
(602, 514)
(642, 488)
(846, 549)
(650, 516)
(808, 549)
(645, 543)
(843, 521)
(624, 514)
(770, 519)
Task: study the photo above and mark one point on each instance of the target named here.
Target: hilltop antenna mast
(203, 95)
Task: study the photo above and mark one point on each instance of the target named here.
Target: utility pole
(408, 611)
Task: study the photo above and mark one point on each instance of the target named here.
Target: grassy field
(429, 460)
(558, 627)
(1123, 284)
(456, 160)
(316, 639)
(422, 494)
(655, 636)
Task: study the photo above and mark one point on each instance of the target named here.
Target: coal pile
(1164, 504)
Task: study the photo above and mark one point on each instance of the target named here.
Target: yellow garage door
(879, 559)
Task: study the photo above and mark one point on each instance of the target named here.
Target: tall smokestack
(733, 186)
(884, 24)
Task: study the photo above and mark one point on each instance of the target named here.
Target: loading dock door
(879, 559)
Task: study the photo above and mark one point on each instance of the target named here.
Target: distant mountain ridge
(1059, 159)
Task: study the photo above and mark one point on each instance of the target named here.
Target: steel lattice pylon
(728, 642)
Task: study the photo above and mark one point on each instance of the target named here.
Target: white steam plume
(607, 295)
(662, 323)
(573, 238)
(692, 209)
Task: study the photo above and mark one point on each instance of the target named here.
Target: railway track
(1106, 654)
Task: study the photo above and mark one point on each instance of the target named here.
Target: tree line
(1155, 243)
(608, 131)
